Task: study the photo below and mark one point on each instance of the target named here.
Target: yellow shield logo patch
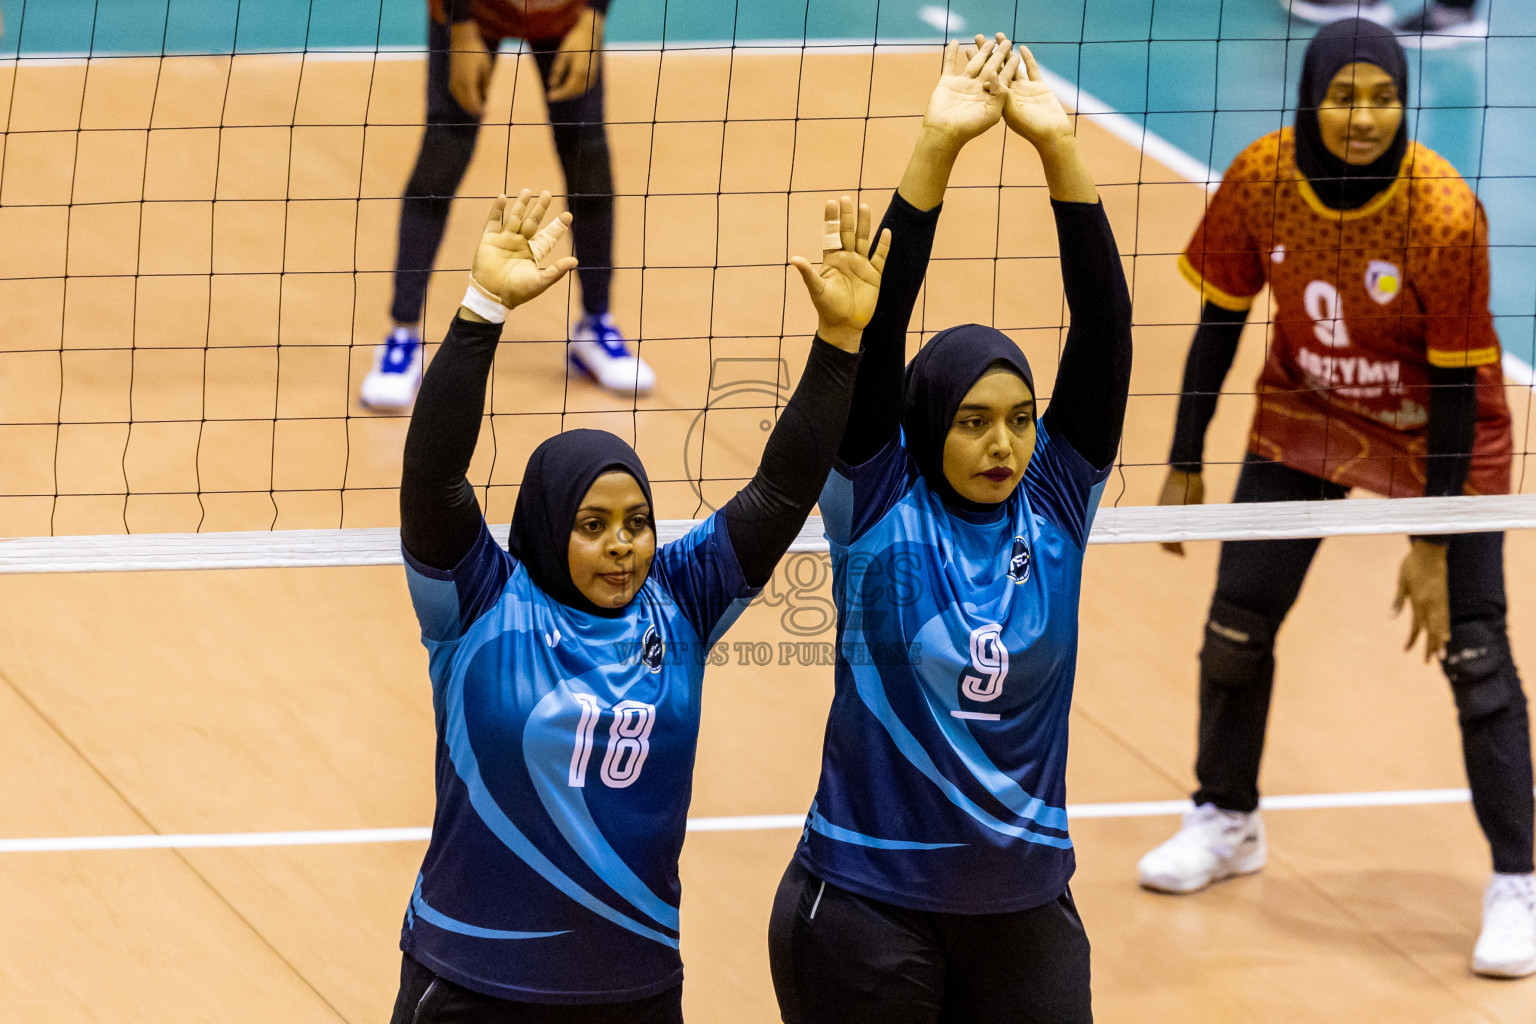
(1383, 281)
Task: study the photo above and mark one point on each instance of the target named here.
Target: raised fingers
(1031, 68)
(1009, 72)
(882, 247)
(861, 233)
(813, 282)
(1001, 48)
(513, 214)
(498, 210)
(534, 215)
(954, 64)
(847, 223)
(543, 243)
(978, 55)
(555, 271)
(831, 227)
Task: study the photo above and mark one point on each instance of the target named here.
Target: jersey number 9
(988, 657)
(1326, 308)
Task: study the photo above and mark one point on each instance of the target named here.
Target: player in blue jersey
(930, 883)
(566, 674)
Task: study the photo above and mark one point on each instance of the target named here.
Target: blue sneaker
(396, 375)
(600, 352)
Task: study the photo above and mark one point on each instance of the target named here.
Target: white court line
(739, 823)
(216, 840)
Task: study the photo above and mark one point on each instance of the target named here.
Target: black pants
(426, 998)
(1256, 584)
(581, 140)
(838, 958)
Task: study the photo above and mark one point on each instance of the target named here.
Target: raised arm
(967, 100)
(439, 516)
(764, 517)
(1093, 382)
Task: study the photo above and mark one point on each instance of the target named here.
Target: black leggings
(581, 140)
(839, 958)
(426, 998)
(1256, 584)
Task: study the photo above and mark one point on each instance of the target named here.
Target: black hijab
(559, 472)
(1340, 185)
(937, 379)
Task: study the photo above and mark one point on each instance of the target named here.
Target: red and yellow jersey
(1364, 303)
(520, 19)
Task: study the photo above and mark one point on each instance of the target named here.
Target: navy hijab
(936, 381)
(558, 475)
(1339, 184)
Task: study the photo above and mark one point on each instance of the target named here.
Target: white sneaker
(1212, 845)
(1507, 946)
(396, 375)
(599, 351)
(1325, 12)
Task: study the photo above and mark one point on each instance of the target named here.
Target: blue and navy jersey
(565, 748)
(943, 779)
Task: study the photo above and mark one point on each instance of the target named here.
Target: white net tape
(286, 549)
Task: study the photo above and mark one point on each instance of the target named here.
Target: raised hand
(844, 288)
(1031, 108)
(969, 97)
(509, 262)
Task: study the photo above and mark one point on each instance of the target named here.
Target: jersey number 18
(629, 741)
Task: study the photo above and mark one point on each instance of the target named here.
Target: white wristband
(482, 303)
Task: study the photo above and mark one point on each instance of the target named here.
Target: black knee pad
(1481, 671)
(1239, 646)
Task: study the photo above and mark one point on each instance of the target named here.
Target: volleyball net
(198, 207)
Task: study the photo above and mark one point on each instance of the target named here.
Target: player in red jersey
(566, 37)
(1383, 373)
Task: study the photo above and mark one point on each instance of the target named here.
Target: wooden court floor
(175, 358)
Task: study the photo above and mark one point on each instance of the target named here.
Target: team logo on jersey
(1383, 280)
(1018, 563)
(650, 649)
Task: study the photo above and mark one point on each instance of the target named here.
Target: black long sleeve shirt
(440, 517)
(1093, 381)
